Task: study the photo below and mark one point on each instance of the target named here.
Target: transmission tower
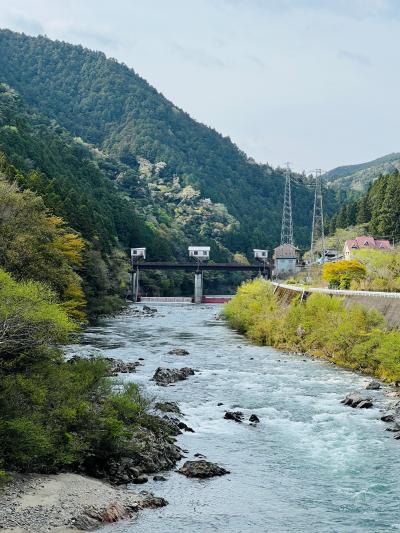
(287, 221)
(318, 219)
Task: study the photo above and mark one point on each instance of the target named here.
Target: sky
(312, 82)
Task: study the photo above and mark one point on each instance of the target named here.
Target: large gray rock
(373, 385)
(356, 400)
(166, 376)
(202, 469)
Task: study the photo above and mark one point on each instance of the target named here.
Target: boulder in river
(117, 366)
(373, 385)
(254, 419)
(165, 376)
(356, 400)
(237, 416)
(387, 418)
(168, 407)
(202, 469)
(178, 351)
(177, 426)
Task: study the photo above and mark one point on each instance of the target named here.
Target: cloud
(355, 58)
(26, 25)
(199, 56)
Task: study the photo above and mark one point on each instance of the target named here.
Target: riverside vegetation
(321, 326)
(56, 414)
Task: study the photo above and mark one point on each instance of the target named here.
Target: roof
(368, 242)
(286, 251)
(205, 248)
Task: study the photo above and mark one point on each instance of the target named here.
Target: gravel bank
(66, 502)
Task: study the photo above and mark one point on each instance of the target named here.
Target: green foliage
(34, 245)
(378, 209)
(30, 319)
(323, 326)
(55, 413)
(110, 106)
(340, 274)
(382, 269)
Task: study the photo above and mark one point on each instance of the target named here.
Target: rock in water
(165, 376)
(387, 418)
(373, 385)
(254, 419)
(178, 351)
(168, 407)
(202, 469)
(149, 310)
(117, 366)
(356, 400)
(237, 416)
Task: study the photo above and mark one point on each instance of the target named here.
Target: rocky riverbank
(67, 502)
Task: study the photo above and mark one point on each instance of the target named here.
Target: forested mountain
(359, 177)
(378, 209)
(109, 106)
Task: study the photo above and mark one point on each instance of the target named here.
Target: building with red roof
(360, 243)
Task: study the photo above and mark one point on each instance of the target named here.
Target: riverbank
(323, 326)
(67, 502)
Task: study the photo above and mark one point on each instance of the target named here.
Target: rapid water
(312, 465)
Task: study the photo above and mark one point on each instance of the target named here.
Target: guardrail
(337, 292)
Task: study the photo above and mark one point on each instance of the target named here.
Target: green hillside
(109, 106)
(359, 177)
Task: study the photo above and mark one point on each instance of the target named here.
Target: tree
(340, 274)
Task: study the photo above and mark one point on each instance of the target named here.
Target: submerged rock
(159, 478)
(373, 385)
(166, 376)
(149, 310)
(356, 400)
(202, 469)
(178, 351)
(237, 416)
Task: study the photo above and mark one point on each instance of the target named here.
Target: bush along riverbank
(59, 415)
(321, 326)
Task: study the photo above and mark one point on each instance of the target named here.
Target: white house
(260, 255)
(200, 253)
(137, 253)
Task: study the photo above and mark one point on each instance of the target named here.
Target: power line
(287, 220)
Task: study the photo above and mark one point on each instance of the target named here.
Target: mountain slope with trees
(378, 209)
(109, 106)
(357, 178)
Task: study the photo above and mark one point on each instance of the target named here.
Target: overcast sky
(313, 82)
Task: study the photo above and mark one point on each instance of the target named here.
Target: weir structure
(138, 263)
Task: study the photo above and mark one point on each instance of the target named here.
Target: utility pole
(318, 218)
(287, 221)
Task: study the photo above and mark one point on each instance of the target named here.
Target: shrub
(322, 325)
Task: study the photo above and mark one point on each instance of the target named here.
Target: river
(311, 465)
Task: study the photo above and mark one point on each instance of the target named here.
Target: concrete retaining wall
(388, 304)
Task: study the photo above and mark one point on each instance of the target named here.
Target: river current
(312, 464)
